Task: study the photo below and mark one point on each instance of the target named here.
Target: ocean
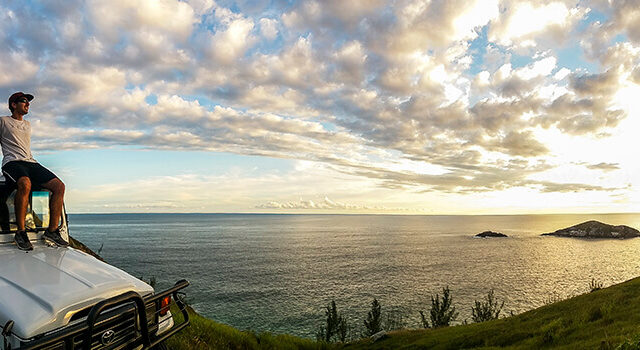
(276, 273)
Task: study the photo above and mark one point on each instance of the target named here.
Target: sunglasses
(23, 100)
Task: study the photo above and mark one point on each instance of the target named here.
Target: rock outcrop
(379, 336)
(596, 229)
(491, 234)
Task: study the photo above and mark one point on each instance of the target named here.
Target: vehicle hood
(40, 290)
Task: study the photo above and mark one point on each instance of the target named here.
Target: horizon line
(345, 214)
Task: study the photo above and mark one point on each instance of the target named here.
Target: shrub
(336, 328)
(552, 299)
(424, 320)
(486, 310)
(374, 320)
(442, 312)
(594, 285)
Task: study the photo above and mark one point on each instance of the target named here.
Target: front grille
(113, 330)
(152, 314)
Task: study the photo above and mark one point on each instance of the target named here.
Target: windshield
(37, 218)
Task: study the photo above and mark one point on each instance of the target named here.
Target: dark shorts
(34, 171)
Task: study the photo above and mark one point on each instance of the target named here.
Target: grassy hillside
(599, 320)
(204, 334)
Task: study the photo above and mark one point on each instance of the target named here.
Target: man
(19, 166)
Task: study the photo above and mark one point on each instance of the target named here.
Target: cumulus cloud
(524, 24)
(16, 68)
(356, 85)
(437, 23)
(269, 28)
(230, 44)
(324, 203)
(112, 19)
(331, 15)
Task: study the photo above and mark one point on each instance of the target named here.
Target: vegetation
(442, 312)
(609, 319)
(74, 243)
(336, 327)
(373, 323)
(205, 334)
(630, 344)
(486, 310)
(595, 285)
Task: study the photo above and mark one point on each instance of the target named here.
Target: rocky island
(490, 234)
(596, 229)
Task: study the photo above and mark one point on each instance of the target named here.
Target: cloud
(170, 18)
(201, 7)
(16, 68)
(331, 15)
(359, 86)
(525, 24)
(324, 204)
(350, 60)
(519, 144)
(437, 23)
(604, 166)
(230, 44)
(268, 28)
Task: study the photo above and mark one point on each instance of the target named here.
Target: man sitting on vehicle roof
(19, 166)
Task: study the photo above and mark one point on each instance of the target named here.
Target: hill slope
(599, 320)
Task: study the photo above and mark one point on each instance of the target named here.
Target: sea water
(276, 273)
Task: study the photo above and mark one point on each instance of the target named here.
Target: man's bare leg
(55, 202)
(22, 200)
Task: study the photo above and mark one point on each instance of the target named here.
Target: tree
(442, 313)
(423, 319)
(336, 328)
(374, 320)
(486, 310)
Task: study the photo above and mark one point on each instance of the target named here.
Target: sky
(360, 106)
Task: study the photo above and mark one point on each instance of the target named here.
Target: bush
(336, 328)
(486, 310)
(594, 285)
(374, 320)
(442, 313)
(552, 299)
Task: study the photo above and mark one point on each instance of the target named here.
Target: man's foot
(54, 237)
(22, 241)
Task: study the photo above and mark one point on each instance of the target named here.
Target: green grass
(603, 319)
(204, 333)
(600, 320)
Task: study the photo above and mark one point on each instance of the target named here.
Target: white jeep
(58, 298)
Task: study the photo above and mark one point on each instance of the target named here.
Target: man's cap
(18, 95)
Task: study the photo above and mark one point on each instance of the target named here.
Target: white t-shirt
(15, 139)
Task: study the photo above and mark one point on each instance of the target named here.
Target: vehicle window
(39, 209)
(37, 212)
